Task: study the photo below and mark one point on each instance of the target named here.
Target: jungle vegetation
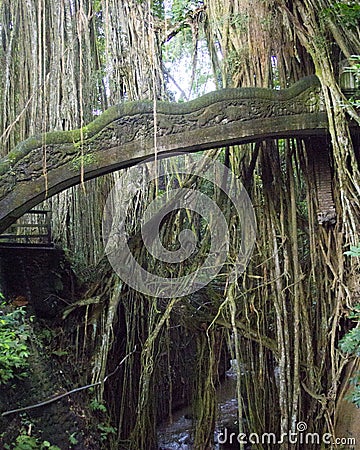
(64, 61)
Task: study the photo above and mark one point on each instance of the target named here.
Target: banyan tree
(64, 62)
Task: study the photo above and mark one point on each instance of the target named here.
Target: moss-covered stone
(146, 107)
(124, 135)
(82, 161)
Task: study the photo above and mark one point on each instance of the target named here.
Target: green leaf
(354, 251)
(60, 352)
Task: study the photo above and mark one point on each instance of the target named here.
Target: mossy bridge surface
(124, 135)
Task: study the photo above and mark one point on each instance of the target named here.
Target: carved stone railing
(124, 135)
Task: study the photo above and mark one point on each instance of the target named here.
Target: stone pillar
(319, 158)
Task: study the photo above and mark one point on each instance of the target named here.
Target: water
(178, 435)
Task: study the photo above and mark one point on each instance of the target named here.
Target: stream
(178, 434)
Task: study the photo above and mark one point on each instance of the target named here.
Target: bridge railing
(34, 227)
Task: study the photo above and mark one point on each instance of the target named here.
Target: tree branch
(65, 394)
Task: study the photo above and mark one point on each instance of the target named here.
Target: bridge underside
(124, 136)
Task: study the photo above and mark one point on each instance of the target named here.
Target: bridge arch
(124, 135)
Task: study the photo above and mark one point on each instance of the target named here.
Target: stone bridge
(124, 135)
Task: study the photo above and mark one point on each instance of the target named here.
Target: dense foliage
(14, 349)
(66, 61)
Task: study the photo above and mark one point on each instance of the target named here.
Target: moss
(252, 93)
(58, 137)
(146, 107)
(82, 160)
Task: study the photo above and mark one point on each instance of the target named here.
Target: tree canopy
(65, 61)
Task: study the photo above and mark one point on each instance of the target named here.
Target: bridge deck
(125, 135)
